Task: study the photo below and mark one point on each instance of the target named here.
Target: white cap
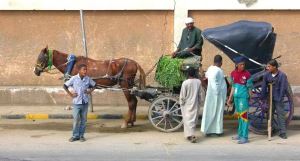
(189, 20)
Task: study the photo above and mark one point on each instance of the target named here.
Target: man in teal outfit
(241, 91)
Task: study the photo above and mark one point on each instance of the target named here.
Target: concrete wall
(139, 35)
(45, 95)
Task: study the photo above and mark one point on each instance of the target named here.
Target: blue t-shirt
(80, 86)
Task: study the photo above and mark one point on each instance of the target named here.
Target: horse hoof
(124, 126)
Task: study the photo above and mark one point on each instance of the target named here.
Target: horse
(106, 73)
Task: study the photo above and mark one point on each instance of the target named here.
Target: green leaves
(168, 72)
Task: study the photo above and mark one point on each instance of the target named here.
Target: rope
(55, 68)
(151, 69)
(112, 88)
(50, 64)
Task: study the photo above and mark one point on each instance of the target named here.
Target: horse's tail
(142, 79)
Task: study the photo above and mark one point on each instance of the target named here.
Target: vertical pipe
(86, 53)
(83, 33)
(270, 112)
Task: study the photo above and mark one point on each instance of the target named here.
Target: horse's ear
(45, 50)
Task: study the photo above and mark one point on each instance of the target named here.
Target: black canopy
(255, 40)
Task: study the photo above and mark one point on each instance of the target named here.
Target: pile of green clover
(168, 72)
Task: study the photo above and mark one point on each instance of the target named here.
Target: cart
(253, 40)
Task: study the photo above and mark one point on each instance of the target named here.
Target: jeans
(71, 62)
(79, 119)
(280, 120)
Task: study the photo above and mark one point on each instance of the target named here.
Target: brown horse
(106, 73)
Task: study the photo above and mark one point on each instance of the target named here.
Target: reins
(50, 64)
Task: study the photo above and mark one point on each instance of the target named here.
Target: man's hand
(250, 94)
(189, 49)
(229, 102)
(173, 54)
(89, 91)
(73, 94)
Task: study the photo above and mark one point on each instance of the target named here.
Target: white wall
(145, 4)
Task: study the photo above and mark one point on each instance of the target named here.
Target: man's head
(272, 66)
(240, 63)
(189, 22)
(218, 60)
(191, 72)
(82, 70)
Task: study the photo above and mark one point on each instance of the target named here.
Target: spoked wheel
(259, 109)
(165, 114)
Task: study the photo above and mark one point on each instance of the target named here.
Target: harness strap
(116, 77)
(50, 59)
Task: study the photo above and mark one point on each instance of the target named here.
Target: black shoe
(283, 136)
(219, 135)
(274, 132)
(236, 138)
(82, 139)
(243, 141)
(208, 134)
(193, 139)
(72, 139)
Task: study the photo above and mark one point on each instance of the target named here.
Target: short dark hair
(81, 66)
(218, 59)
(191, 72)
(273, 62)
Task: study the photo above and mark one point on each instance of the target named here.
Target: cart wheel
(259, 109)
(165, 114)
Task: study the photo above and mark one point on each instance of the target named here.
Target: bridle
(46, 63)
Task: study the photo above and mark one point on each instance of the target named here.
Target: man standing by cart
(279, 89)
(241, 91)
(189, 101)
(212, 118)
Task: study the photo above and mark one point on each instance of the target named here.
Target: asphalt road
(47, 140)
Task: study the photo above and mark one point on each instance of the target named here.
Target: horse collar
(50, 59)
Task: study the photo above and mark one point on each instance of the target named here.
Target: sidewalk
(100, 112)
(64, 112)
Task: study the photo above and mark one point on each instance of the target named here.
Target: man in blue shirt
(280, 87)
(82, 86)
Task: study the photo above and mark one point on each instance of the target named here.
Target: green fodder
(168, 73)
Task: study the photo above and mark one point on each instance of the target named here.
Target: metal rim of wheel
(165, 114)
(259, 109)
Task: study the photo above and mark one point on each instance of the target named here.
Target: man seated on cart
(190, 46)
(191, 41)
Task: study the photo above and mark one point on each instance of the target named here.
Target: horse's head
(42, 62)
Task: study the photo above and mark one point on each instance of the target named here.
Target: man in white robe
(190, 103)
(212, 117)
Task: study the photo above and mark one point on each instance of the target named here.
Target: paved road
(46, 140)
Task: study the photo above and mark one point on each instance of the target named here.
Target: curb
(42, 116)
